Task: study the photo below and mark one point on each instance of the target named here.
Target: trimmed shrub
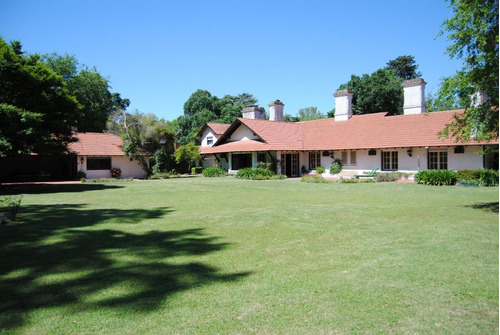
(336, 166)
(254, 174)
(436, 177)
(314, 179)
(358, 181)
(468, 175)
(197, 170)
(320, 170)
(387, 177)
(488, 177)
(213, 172)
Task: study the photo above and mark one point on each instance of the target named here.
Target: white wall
(207, 133)
(243, 133)
(130, 169)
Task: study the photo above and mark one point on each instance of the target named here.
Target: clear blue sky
(157, 53)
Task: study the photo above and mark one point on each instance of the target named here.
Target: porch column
(278, 162)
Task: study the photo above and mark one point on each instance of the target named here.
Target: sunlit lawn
(200, 255)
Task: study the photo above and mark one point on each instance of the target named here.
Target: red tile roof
(97, 144)
(360, 132)
(218, 128)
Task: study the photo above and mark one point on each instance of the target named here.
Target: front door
(290, 165)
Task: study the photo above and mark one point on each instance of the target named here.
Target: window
(344, 158)
(210, 140)
(438, 160)
(389, 160)
(314, 160)
(372, 152)
(353, 158)
(99, 163)
(261, 157)
(240, 161)
(459, 149)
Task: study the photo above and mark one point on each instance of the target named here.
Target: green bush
(213, 172)
(488, 177)
(320, 170)
(11, 205)
(197, 170)
(468, 175)
(387, 177)
(265, 165)
(254, 174)
(436, 177)
(314, 179)
(358, 181)
(336, 166)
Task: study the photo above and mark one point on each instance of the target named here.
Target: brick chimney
(414, 96)
(276, 110)
(343, 105)
(254, 112)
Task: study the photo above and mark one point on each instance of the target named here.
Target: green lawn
(200, 255)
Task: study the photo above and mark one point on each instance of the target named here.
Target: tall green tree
(309, 113)
(90, 88)
(381, 91)
(203, 107)
(143, 135)
(37, 112)
(473, 31)
(405, 67)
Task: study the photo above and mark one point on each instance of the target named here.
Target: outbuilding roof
(97, 144)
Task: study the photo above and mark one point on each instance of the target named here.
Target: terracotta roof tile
(218, 128)
(360, 132)
(97, 144)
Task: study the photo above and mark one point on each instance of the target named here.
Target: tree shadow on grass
(59, 257)
(15, 189)
(486, 206)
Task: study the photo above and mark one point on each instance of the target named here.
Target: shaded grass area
(231, 256)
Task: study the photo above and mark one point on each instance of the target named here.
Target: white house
(97, 153)
(408, 142)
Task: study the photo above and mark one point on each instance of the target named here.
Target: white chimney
(276, 110)
(343, 105)
(254, 112)
(414, 96)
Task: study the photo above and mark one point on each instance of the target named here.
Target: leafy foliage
(203, 107)
(320, 170)
(436, 177)
(36, 109)
(381, 91)
(317, 179)
(254, 174)
(468, 175)
(213, 172)
(188, 153)
(91, 90)
(473, 29)
(309, 113)
(488, 177)
(336, 166)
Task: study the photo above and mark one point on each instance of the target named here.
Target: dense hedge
(213, 172)
(436, 177)
(468, 175)
(254, 174)
(488, 177)
(196, 169)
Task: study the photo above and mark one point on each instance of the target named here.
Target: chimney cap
(414, 82)
(276, 102)
(342, 93)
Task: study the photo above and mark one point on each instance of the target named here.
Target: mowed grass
(225, 256)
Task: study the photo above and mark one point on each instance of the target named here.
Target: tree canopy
(91, 90)
(309, 113)
(203, 107)
(473, 29)
(37, 111)
(381, 91)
